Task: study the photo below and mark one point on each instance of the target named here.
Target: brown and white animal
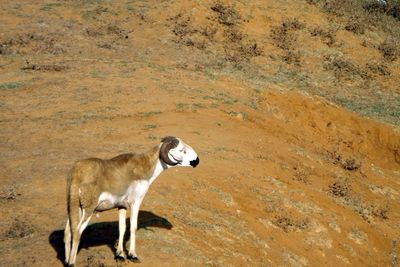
(96, 185)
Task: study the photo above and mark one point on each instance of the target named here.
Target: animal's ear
(168, 143)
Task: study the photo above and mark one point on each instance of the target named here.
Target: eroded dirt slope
(286, 177)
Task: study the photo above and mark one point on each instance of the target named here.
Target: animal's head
(174, 152)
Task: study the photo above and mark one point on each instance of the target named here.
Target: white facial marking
(183, 154)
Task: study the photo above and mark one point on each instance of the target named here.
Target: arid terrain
(292, 106)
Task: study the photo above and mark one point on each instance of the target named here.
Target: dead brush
(289, 224)
(226, 14)
(367, 210)
(344, 68)
(378, 69)
(327, 36)
(238, 47)
(341, 189)
(19, 229)
(284, 37)
(190, 35)
(390, 49)
(356, 24)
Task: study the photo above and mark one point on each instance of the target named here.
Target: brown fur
(93, 176)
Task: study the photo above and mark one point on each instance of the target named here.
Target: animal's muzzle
(195, 162)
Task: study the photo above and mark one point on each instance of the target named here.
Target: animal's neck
(157, 171)
(151, 166)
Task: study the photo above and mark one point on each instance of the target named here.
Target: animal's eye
(184, 152)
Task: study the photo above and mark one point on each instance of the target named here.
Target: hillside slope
(287, 176)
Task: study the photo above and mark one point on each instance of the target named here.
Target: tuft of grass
(9, 193)
(149, 113)
(150, 126)
(49, 6)
(11, 85)
(19, 229)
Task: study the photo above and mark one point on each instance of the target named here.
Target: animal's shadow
(106, 233)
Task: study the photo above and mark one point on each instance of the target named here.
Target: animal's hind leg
(67, 240)
(120, 254)
(77, 232)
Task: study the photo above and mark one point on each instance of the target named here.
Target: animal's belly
(108, 201)
(135, 192)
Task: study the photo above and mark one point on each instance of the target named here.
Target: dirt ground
(287, 176)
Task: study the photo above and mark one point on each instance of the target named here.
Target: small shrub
(389, 49)
(293, 24)
(9, 193)
(344, 68)
(19, 229)
(287, 224)
(328, 36)
(356, 25)
(239, 48)
(283, 35)
(283, 38)
(292, 57)
(340, 189)
(379, 69)
(227, 15)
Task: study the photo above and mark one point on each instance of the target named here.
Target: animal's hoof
(119, 258)
(133, 259)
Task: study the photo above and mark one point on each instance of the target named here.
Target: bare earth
(286, 177)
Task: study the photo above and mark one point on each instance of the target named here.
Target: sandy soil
(286, 177)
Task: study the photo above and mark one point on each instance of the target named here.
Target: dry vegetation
(293, 107)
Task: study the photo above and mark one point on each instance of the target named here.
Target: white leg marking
(122, 228)
(134, 220)
(67, 240)
(84, 224)
(77, 235)
(81, 217)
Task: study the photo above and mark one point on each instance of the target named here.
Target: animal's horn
(168, 143)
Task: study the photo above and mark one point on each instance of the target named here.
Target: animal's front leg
(132, 256)
(120, 254)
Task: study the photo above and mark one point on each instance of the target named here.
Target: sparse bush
(293, 24)
(283, 38)
(328, 36)
(190, 35)
(379, 69)
(239, 48)
(389, 49)
(287, 224)
(340, 189)
(9, 193)
(283, 35)
(355, 24)
(19, 229)
(227, 15)
(349, 164)
(292, 57)
(344, 68)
